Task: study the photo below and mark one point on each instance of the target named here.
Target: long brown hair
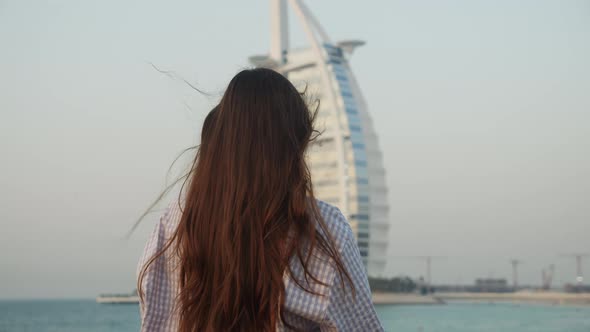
(249, 209)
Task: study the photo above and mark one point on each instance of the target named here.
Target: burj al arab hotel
(345, 161)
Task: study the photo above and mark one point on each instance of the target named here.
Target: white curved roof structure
(346, 162)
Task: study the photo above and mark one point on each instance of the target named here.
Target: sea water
(89, 316)
(485, 317)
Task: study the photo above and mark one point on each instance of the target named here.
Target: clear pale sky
(482, 110)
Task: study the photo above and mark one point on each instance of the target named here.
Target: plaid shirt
(336, 310)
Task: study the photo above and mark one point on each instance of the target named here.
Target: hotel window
(358, 162)
(364, 241)
(349, 103)
(363, 226)
(344, 86)
(361, 172)
(363, 235)
(360, 155)
(363, 199)
(338, 68)
(348, 99)
(355, 128)
(356, 137)
(354, 119)
(351, 110)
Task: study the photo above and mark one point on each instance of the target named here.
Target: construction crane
(428, 260)
(515, 263)
(579, 257)
(547, 277)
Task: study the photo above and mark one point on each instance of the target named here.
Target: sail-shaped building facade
(345, 161)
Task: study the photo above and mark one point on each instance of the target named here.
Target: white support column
(279, 30)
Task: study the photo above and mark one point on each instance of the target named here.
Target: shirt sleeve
(347, 312)
(157, 304)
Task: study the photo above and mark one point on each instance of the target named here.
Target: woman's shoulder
(170, 218)
(335, 222)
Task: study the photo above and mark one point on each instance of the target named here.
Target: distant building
(346, 162)
(492, 285)
(401, 284)
(575, 288)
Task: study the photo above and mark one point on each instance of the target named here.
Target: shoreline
(382, 298)
(118, 299)
(552, 298)
(385, 298)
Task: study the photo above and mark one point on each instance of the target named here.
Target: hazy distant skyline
(482, 109)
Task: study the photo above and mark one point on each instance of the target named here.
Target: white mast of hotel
(279, 40)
